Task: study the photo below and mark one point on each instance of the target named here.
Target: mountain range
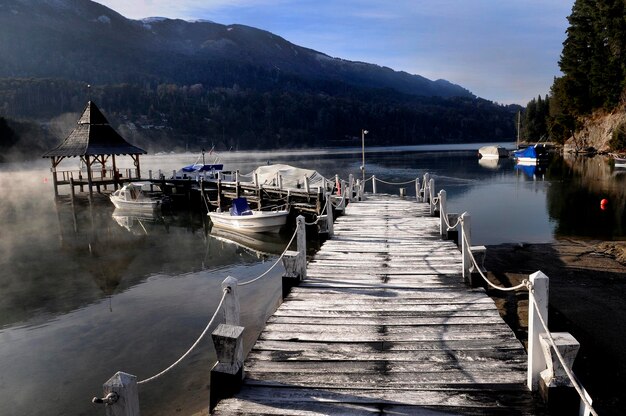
(51, 49)
(83, 40)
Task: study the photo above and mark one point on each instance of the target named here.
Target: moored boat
(242, 219)
(138, 196)
(532, 155)
(492, 152)
(619, 160)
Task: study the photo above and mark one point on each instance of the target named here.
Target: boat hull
(147, 205)
(493, 152)
(257, 222)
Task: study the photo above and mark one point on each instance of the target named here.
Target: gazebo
(94, 141)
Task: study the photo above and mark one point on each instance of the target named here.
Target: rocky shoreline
(587, 299)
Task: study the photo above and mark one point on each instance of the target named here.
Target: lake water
(83, 295)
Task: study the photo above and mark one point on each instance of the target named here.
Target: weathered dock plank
(384, 324)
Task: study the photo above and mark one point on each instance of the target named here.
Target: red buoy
(603, 203)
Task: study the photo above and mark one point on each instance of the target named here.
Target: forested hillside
(593, 63)
(170, 85)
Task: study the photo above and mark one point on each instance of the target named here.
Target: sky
(502, 50)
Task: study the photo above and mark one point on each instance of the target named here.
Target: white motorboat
(492, 152)
(242, 219)
(138, 196)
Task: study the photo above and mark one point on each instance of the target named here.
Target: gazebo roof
(93, 136)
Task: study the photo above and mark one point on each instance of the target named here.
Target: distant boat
(532, 155)
(492, 152)
(242, 219)
(138, 196)
(619, 160)
(200, 170)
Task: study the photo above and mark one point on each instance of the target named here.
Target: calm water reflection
(89, 292)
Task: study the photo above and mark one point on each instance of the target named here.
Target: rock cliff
(597, 131)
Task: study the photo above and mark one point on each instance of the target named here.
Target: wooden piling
(121, 397)
(536, 360)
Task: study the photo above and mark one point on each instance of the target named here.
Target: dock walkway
(384, 324)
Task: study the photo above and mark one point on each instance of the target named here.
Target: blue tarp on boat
(203, 168)
(240, 207)
(529, 152)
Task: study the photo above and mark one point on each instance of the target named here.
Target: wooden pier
(384, 324)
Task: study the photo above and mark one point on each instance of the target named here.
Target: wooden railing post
(536, 360)
(351, 187)
(329, 215)
(556, 389)
(431, 193)
(227, 373)
(443, 226)
(425, 183)
(231, 306)
(418, 197)
(466, 244)
(374, 184)
(295, 261)
(121, 397)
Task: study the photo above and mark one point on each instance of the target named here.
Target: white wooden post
(359, 195)
(295, 261)
(351, 187)
(174, 175)
(231, 306)
(306, 184)
(344, 189)
(431, 193)
(280, 182)
(536, 360)
(417, 190)
(426, 182)
(443, 227)
(227, 373)
(554, 375)
(121, 397)
(329, 215)
(374, 184)
(466, 243)
(256, 180)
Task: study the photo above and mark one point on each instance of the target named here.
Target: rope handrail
(568, 371)
(317, 219)
(445, 219)
(273, 265)
(395, 183)
(368, 179)
(225, 292)
(524, 284)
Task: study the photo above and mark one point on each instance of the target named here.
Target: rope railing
(206, 329)
(273, 265)
(527, 285)
(568, 371)
(396, 183)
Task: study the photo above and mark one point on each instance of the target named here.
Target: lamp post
(363, 133)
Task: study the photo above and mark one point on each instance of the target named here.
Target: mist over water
(84, 295)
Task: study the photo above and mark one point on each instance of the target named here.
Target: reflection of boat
(259, 242)
(492, 152)
(489, 163)
(532, 155)
(242, 219)
(133, 220)
(531, 171)
(138, 196)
